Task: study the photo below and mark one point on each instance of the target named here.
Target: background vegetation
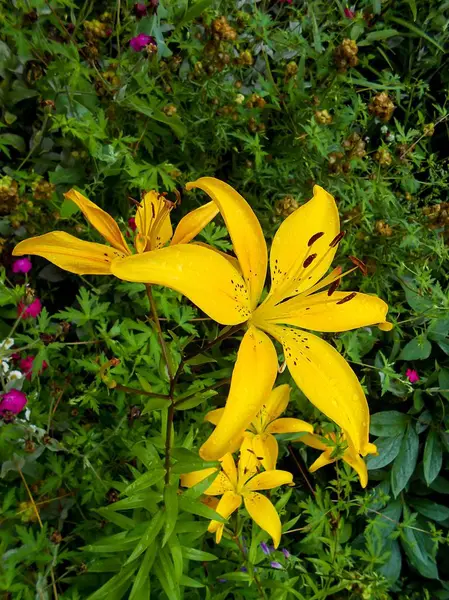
(271, 97)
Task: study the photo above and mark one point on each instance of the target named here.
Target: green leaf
(198, 508)
(375, 36)
(189, 582)
(149, 536)
(195, 11)
(417, 349)
(443, 382)
(415, 298)
(412, 4)
(433, 456)
(144, 481)
(388, 423)
(116, 587)
(11, 139)
(147, 500)
(143, 107)
(165, 572)
(195, 400)
(177, 556)
(416, 30)
(155, 404)
(405, 462)
(69, 175)
(141, 586)
(391, 570)
(440, 485)
(416, 546)
(116, 518)
(187, 461)
(429, 509)
(199, 555)
(171, 511)
(387, 448)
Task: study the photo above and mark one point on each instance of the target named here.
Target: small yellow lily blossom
(265, 424)
(301, 254)
(236, 484)
(153, 231)
(330, 453)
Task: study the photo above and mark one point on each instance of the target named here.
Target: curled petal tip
(385, 326)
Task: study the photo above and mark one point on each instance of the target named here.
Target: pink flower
(140, 10)
(132, 223)
(13, 401)
(32, 310)
(412, 375)
(26, 365)
(153, 4)
(285, 1)
(22, 265)
(349, 13)
(141, 41)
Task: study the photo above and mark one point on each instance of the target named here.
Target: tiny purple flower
(141, 41)
(13, 401)
(276, 565)
(22, 265)
(265, 549)
(243, 569)
(285, 552)
(222, 580)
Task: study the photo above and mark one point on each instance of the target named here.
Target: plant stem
(130, 390)
(159, 333)
(255, 577)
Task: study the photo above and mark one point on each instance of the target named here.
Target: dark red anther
(359, 263)
(337, 239)
(347, 298)
(315, 237)
(333, 286)
(309, 260)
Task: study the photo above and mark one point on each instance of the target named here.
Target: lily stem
(172, 378)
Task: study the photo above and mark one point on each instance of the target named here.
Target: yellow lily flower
(264, 425)
(235, 484)
(301, 254)
(153, 231)
(330, 453)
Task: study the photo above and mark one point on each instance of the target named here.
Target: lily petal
(101, 220)
(219, 486)
(229, 468)
(269, 480)
(262, 511)
(245, 231)
(323, 460)
(266, 449)
(70, 253)
(252, 379)
(355, 461)
(290, 249)
(214, 416)
(205, 277)
(190, 479)
(289, 425)
(153, 224)
(328, 382)
(342, 311)
(229, 502)
(248, 462)
(276, 404)
(194, 222)
(313, 440)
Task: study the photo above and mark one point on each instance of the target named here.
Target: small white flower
(15, 380)
(7, 344)
(239, 99)
(5, 366)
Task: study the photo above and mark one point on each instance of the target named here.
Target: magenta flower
(132, 223)
(140, 10)
(13, 401)
(26, 365)
(412, 375)
(22, 265)
(32, 310)
(349, 13)
(141, 41)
